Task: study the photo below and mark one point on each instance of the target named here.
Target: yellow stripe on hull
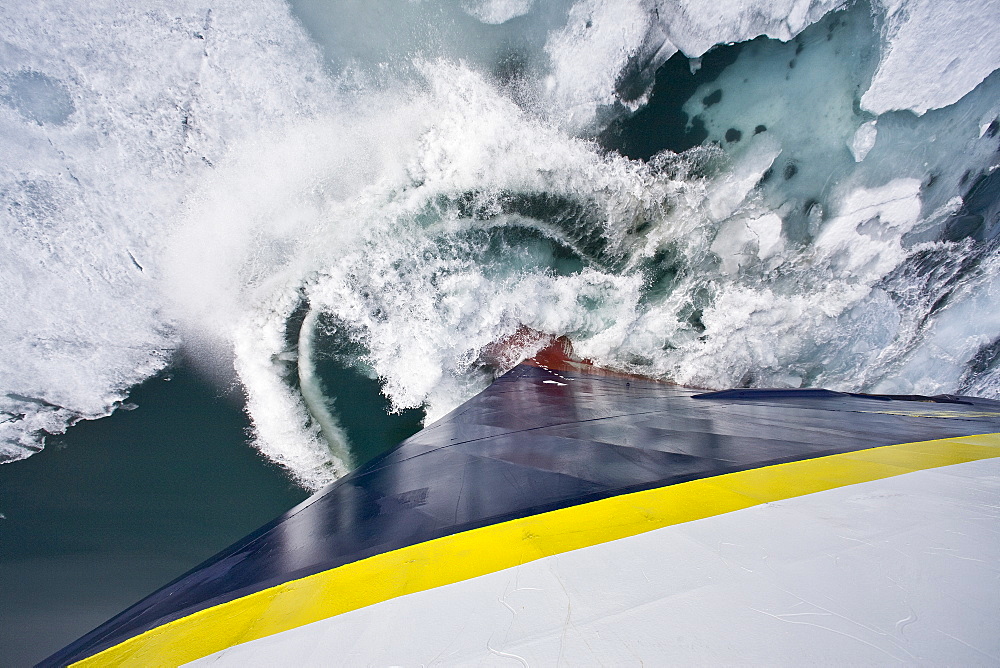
(492, 548)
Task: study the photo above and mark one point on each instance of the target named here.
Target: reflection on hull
(573, 514)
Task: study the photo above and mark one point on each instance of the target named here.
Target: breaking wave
(295, 188)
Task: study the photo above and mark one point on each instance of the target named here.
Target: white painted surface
(902, 570)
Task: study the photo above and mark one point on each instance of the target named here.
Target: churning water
(389, 188)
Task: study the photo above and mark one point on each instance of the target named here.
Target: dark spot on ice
(993, 128)
(637, 79)
(760, 128)
(712, 98)
(34, 400)
(12, 417)
(733, 135)
(37, 97)
(931, 180)
(790, 170)
(766, 176)
(965, 177)
(791, 64)
(799, 48)
(813, 218)
(589, 24)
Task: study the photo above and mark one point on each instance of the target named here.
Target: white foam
(101, 138)
(353, 245)
(375, 198)
(497, 11)
(938, 364)
(286, 432)
(316, 399)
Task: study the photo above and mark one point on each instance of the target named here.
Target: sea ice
(102, 139)
(863, 140)
(694, 26)
(431, 188)
(497, 11)
(933, 53)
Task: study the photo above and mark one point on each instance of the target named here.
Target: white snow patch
(497, 11)
(695, 26)
(732, 188)
(108, 116)
(863, 140)
(590, 52)
(864, 236)
(934, 52)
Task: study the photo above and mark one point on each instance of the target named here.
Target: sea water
(118, 507)
(338, 208)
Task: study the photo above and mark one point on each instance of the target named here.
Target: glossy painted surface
(901, 570)
(536, 440)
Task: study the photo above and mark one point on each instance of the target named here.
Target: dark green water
(120, 506)
(363, 412)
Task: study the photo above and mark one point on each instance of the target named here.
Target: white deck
(899, 570)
